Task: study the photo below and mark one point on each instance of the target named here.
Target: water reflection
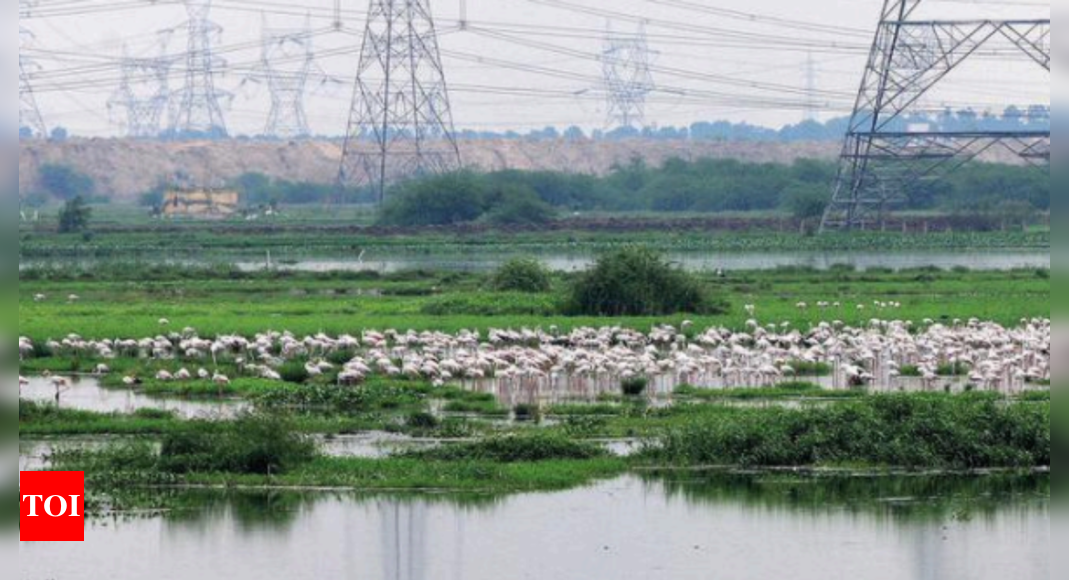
(568, 262)
(654, 527)
(86, 394)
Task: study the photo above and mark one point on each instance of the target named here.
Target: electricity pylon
(401, 124)
(626, 70)
(287, 60)
(197, 108)
(29, 114)
(142, 96)
(882, 156)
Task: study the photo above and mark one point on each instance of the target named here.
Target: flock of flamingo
(531, 365)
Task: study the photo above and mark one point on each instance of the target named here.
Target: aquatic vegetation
(919, 431)
(250, 444)
(525, 448)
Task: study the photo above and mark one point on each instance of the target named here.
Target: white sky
(707, 70)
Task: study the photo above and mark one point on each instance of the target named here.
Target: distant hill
(125, 169)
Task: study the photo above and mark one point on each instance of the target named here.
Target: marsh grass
(261, 444)
(789, 390)
(910, 431)
(41, 419)
(525, 448)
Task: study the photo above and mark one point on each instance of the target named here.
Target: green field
(224, 301)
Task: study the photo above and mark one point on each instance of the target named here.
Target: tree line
(801, 189)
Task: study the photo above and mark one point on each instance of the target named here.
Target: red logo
(52, 505)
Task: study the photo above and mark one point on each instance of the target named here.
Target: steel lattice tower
(626, 70)
(197, 109)
(881, 157)
(143, 95)
(401, 124)
(286, 61)
(29, 114)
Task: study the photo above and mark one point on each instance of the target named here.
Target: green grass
(37, 419)
(798, 390)
(308, 304)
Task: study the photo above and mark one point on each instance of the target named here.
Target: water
(628, 529)
(568, 262)
(86, 394)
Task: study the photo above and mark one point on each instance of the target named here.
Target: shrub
(294, 372)
(638, 282)
(422, 421)
(521, 275)
(251, 444)
(526, 412)
(634, 387)
(442, 200)
(74, 217)
(519, 206)
(1043, 274)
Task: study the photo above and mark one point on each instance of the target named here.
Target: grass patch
(792, 390)
(527, 448)
(1035, 397)
(486, 407)
(38, 419)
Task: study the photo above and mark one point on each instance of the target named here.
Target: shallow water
(695, 261)
(628, 529)
(86, 394)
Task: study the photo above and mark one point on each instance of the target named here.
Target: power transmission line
(883, 156)
(401, 124)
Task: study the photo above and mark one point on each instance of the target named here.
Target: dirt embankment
(126, 168)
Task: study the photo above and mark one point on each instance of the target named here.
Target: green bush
(294, 372)
(251, 444)
(518, 205)
(75, 216)
(526, 412)
(521, 275)
(441, 200)
(638, 282)
(422, 421)
(634, 387)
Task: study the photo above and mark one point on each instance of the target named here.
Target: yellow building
(200, 203)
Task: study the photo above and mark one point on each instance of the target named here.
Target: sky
(521, 64)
